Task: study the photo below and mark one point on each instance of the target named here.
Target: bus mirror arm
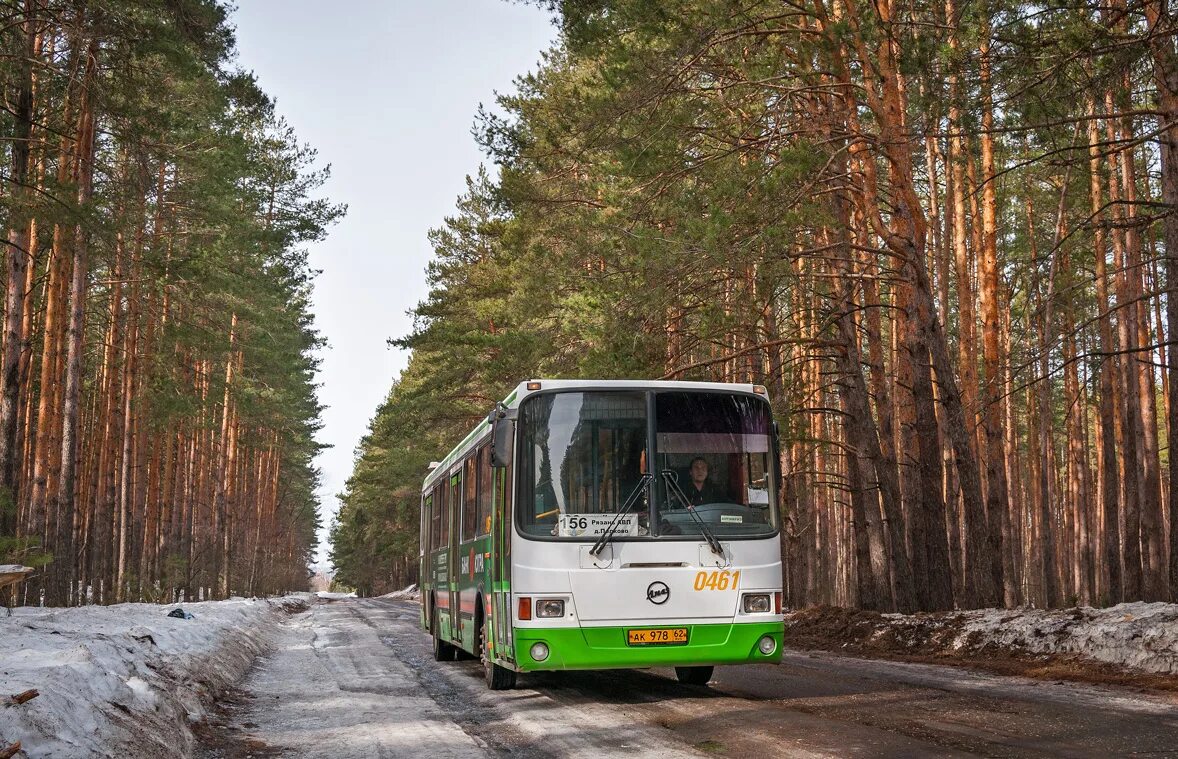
(502, 421)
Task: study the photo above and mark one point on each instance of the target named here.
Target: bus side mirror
(502, 424)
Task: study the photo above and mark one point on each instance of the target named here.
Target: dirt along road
(355, 678)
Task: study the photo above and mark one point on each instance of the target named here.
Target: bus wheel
(694, 675)
(498, 678)
(443, 651)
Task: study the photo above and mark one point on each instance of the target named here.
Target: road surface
(355, 678)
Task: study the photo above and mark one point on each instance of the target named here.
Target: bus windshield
(583, 455)
(582, 458)
(713, 452)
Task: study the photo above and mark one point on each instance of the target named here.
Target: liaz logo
(658, 593)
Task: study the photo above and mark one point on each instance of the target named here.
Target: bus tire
(694, 675)
(498, 678)
(443, 651)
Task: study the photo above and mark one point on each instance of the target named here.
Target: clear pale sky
(386, 90)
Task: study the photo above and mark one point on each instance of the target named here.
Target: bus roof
(533, 386)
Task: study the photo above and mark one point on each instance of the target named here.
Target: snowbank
(124, 680)
(410, 593)
(1141, 637)
(327, 595)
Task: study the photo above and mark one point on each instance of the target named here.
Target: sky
(386, 91)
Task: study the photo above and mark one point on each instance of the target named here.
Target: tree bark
(997, 500)
(75, 330)
(19, 245)
(1165, 69)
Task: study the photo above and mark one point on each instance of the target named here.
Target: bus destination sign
(595, 525)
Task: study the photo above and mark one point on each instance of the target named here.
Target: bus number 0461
(723, 580)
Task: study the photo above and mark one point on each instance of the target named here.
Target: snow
(332, 596)
(1142, 636)
(124, 680)
(410, 593)
(1136, 640)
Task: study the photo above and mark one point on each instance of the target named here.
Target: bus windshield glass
(714, 457)
(583, 455)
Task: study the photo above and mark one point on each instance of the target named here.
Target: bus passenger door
(454, 502)
(424, 571)
(501, 565)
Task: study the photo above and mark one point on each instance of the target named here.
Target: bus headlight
(539, 651)
(756, 603)
(549, 607)
(767, 645)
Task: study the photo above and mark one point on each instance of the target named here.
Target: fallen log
(21, 698)
(8, 753)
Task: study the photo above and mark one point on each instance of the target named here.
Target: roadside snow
(1143, 636)
(410, 593)
(124, 680)
(1136, 638)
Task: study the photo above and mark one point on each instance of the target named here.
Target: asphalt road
(355, 678)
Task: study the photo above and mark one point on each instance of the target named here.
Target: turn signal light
(525, 608)
(777, 602)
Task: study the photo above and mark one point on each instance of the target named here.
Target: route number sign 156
(593, 525)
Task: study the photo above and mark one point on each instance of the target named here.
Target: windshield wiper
(674, 489)
(629, 504)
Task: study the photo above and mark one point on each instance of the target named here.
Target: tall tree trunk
(41, 516)
(1165, 69)
(1152, 525)
(864, 437)
(1130, 433)
(75, 331)
(19, 244)
(997, 502)
(224, 452)
(1110, 491)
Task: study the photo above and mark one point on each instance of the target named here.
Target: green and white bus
(607, 524)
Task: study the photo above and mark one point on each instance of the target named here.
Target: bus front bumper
(607, 647)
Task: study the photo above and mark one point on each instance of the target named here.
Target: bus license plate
(664, 636)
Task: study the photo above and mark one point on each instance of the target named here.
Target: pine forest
(943, 234)
(157, 388)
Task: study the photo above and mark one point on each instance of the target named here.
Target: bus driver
(701, 490)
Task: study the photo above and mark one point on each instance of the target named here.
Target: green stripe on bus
(606, 647)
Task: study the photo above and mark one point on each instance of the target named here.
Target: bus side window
(483, 525)
(444, 513)
(456, 503)
(469, 500)
(435, 514)
(427, 503)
